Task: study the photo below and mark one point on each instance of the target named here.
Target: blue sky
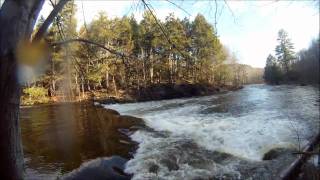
(247, 28)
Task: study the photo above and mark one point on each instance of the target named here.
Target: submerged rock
(100, 169)
(274, 153)
(111, 111)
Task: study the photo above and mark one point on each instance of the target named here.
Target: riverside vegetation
(56, 60)
(291, 67)
(139, 60)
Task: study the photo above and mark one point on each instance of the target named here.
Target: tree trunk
(17, 19)
(82, 89)
(114, 86)
(144, 67)
(170, 69)
(53, 82)
(107, 80)
(88, 85)
(151, 66)
(78, 91)
(11, 163)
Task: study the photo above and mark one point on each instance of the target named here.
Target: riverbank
(154, 92)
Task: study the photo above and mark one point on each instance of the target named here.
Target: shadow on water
(59, 138)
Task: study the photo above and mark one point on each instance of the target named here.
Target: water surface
(220, 136)
(59, 138)
(223, 135)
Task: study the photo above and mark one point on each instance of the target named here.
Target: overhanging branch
(90, 42)
(43, 28)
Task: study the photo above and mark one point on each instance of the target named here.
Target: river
(219, 136)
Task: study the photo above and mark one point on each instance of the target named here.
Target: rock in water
(100, 169)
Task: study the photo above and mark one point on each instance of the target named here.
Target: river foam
(191, 137)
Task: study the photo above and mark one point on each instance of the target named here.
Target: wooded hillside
(118, 55)
(290, 67)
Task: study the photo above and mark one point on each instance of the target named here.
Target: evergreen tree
(205, 48)
(308, 63)
(151, 39)
(272, 73)
(176, 51)
(180, 51)
(284, 51)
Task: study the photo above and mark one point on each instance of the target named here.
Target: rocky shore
(167, 91)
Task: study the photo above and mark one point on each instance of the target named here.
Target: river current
(221, 136)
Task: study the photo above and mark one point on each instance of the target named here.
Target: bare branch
(157, 22)
(148, 6)
(84, 17)
(286, 173)
(179, 7)
(234, 19)
(42, 30)
(90, 42)
(306, 153)
(52, 3)
(215, 17)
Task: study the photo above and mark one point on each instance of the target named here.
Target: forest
(115, 56)
(290, 67)
(151, 87)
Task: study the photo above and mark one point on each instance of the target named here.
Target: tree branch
(288, 172)
(148, 6)
(234, 19)
(179, 7)
(306, 153)
(42, 30)
(90, 42)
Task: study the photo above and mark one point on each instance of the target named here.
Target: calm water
(220, 136)
(58, 138)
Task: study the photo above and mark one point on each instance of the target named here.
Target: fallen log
(292, 171)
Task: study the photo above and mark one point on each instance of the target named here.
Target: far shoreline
(154, 93)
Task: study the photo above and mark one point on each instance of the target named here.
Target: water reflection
(58, 138)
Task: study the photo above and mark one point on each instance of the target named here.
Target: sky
(247, 28)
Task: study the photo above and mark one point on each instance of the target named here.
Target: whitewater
(222, 136)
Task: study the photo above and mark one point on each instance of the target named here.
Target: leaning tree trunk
(17, 19)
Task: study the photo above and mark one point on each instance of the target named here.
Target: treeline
(121, 54)
(290, 67)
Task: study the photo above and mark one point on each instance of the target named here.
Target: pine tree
(175, 50)
(205, 46)
(151, 36)
(284, 51)
(308, 63)
(180, 51)
(272, 73)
